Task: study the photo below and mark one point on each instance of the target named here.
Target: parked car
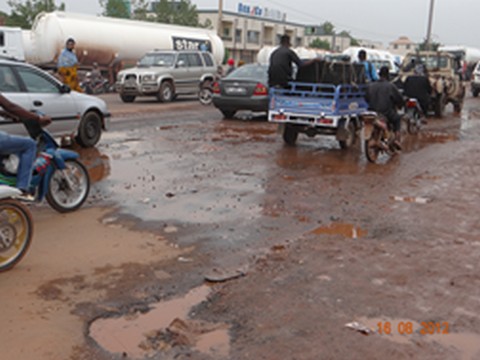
(243, 89)
(167, 74)
(475, 84)
(73, 113)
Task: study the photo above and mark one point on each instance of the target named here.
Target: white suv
(166, 74)
(72, 113)
(475, 84)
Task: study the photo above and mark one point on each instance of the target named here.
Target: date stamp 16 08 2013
(409, 327)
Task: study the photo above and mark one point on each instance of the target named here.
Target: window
(8, 82)
(207, 58)
(253, 37)
(238, 35)
(194, 60)
(35, 82)
(182, 58)
(408, 46)
(2, 38)
(395, 46)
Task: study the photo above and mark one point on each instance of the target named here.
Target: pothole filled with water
(162, 329)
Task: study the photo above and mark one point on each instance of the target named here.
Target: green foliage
(23, 13)
(140, 9)
(433, 46)
(179, 12)
(115, 8)
(320, 44)
(353, 41)
(328, 28)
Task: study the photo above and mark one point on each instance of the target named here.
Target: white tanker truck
(106, 41)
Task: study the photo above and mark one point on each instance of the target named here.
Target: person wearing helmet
(231, 65)
(67, 65)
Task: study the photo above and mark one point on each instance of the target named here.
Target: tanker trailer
(110, 41)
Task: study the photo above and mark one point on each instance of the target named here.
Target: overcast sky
(455, 21)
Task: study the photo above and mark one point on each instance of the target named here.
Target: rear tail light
(411, 103)
(216, 87)
(260, 89)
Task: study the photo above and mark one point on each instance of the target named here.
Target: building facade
(402, 46)
(245, 34)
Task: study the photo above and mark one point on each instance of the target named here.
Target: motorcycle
(16, 228)
(379, 138)
(94, 86)
(58, 175)
(414, 116)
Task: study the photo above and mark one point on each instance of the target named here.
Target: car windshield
(431, 62)
(250, 72)
(157, 60)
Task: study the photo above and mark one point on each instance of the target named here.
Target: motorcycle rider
(383, 97)
(418, 86)
(22, 146)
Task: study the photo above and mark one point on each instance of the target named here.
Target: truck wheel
(290, 135)
(475, 92)
(352, 136)
(228, 114)
(90, 129)
(127, 98)
(166, 92)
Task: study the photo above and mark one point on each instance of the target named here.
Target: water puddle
(403, 331)
(346, 230)
(162, 328)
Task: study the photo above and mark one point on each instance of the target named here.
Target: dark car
(243, 89)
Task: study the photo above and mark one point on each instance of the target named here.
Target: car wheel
(228, 114)
(90, 129)
(127, 98)
(166, 92)
(205, 93)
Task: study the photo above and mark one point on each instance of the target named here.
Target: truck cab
(11, 43)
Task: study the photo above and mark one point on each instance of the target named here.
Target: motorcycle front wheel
(68, 189)
(372, 149)
(16, 231)
(413, 124)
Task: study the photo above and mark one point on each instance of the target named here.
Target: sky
(454, 21)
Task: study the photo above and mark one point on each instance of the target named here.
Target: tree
(140, 9)
(320, 44)
(433, 45)
(24, 12)
(353, 41)
(115, 8)
(328, 28)
(179, 12)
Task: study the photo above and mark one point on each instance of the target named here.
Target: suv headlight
(149, 78)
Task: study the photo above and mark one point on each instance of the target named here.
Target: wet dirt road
(323, 239)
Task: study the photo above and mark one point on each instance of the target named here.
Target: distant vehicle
(82, 115)
(444, 71)
(393, 68)
(245, 88)
(475, 84)
(167, 74)
(468, 56)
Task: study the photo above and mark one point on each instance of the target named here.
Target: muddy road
(299, 242)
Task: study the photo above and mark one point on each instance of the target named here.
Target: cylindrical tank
(108, 40)
(263, 56)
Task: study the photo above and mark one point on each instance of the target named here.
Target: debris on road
(219, 275)
(411, 199)
(360, 328)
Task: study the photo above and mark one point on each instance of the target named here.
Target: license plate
(235, 91)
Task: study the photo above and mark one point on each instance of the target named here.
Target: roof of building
(402, 40)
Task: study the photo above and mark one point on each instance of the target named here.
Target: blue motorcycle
(58, 175)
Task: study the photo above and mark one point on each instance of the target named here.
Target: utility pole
(430, 21)
(220, 16)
